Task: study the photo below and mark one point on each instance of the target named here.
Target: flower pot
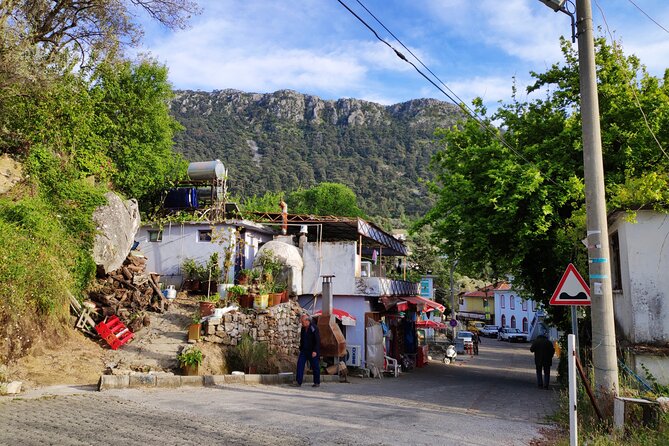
(274, 299)
(245, 301)
(190, 370)
(284, 296)
(260, 301)
(194, 332)
(207, 308)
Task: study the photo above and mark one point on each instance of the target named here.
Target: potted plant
(235, 293)
(193, 274)
(244, 276)
(212, 274)
(208, 303)
(195, 327)
(190, 360)
(261, 299)
(270, 265)
(279, 293)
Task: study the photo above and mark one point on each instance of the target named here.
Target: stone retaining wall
(279, 326)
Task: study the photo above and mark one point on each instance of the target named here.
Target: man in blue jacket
(310, 350)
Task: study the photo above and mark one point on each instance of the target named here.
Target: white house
(166, 248)
(513, 311)
(640, 283)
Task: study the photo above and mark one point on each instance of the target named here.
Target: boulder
(117, 224)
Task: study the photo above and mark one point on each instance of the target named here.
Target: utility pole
(603, 329)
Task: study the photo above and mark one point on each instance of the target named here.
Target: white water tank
(206, 170)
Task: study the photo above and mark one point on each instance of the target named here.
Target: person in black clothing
(310, 350)
(543, 359)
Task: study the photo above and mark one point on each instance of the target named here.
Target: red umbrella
(430, 324)
(345, 317)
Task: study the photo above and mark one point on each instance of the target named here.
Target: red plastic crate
(114, 332)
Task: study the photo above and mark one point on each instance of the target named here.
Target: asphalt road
(490, 399)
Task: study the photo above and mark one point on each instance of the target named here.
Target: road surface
(490, 399)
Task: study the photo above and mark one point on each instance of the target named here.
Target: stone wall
(278, 325)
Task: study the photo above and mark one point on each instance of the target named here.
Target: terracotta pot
(284, 296)
(206, 308)
(274, 299)
(245, 301)
(242, 279)
(190, 370)
(194, 332)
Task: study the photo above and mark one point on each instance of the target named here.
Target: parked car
(468, 336)
(489, 331)
(511, 335)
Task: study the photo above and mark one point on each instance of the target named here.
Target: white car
(489, 330)
(511, 335)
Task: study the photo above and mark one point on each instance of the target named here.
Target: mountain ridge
(285, 140)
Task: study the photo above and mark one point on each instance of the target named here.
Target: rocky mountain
(286, 140)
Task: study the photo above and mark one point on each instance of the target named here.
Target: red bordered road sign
(572, 289)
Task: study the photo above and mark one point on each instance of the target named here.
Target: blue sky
(317, 47)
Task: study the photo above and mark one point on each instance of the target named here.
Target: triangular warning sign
(572, 289)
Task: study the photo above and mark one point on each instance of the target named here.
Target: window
(512, 302)
(204, 235)
(513, 321)
(525, 325)
(532, 308)
(504, 320)
(524, 305)
(501, 302)
(155, 235)
(616, 272)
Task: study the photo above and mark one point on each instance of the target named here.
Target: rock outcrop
(117, 224)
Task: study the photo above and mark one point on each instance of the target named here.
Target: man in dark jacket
(543, 359)
(310, 350)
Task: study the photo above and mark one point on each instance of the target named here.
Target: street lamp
(603, 329)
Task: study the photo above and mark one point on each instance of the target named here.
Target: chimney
(284, 217)
(333, 342)
(304, 230)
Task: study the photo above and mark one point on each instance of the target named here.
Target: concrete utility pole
(603, 329)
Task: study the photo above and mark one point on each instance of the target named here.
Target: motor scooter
(450, 355)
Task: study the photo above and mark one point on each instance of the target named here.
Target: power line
(460, 104)
(644, 13)
(617, 50)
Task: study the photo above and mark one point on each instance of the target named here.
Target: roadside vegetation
(518, 207)
(593, 432)
(81, 119)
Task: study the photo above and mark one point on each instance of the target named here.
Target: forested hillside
(286, 140)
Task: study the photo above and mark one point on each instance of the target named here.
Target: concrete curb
(148, 380)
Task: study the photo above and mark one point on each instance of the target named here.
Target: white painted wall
(180, 241)
(330, 258)
(357, 306)
(518, 311)
(643, 309)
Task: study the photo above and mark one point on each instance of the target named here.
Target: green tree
(325, 199)
(88, 27)
(131, 102)
(518, 207)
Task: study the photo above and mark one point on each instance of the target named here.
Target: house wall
(330, 258)
(518, 311)
(180, 241)
(357, 306)
(642, 309)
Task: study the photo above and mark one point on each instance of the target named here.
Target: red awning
(427, 304)
(430, 324)
(345, 317)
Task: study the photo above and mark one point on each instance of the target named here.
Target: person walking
(310, 350)
(543, 359)
(476, 338)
